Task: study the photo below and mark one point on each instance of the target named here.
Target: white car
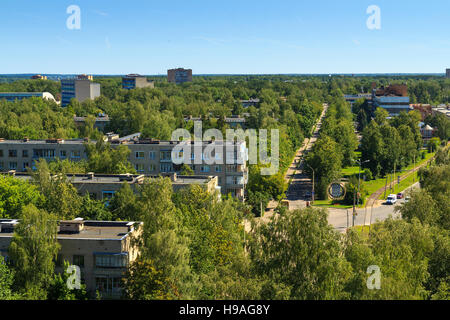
(391, 199)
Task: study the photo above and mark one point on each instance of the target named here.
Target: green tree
(123, 204)
(33, 250)
(302, 252)
(6, 281)
(102, 158)
(61, 197)
(59, 290)
(144, 282)
(161, 239)
(186, 170)
(15, 194)
(326, 160)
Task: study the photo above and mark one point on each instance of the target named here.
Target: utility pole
(385, 186)
(357, 193)
(347, 218)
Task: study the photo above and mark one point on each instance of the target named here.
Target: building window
(166, 167)
(43, 153)
(107, 195)
(25, 153)
(204, 169)
(151, 167)
(111, 260)
(1, 165)
(218, 169)
(165, 156)
(25, 166)
(1, 153)
(151, 155)
(76, 154)
(108, 285)
(63, 154)
(12, 153)
(139, 154)
(13, 166)
(78, 260)
(139, 167)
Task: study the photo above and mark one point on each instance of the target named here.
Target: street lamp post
(354, 194)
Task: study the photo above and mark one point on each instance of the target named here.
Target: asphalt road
(339, 219)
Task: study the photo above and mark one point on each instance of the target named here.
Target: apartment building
(104, 186)
(447, 73)
(133, 81)
(102, 250)
(81, 88)
(149, 157)
(179, 75)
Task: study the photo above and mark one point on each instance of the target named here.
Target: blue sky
(246, 36)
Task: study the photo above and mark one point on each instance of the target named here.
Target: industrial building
(133, 81)
(179, 75)
(81, 88)
(13, 96)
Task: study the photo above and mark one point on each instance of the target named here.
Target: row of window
(103, 260)
(43, 153)
(167, 155)
(168, 167)
(13, 166)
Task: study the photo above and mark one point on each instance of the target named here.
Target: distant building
(85, 77)
(12, 96)
(81, 88)
(39, 77)
(447, 74)
(103, 250)
(232, 121)
(100, 124)
(427, 132)
(179, 75)
(442, 109)
(351, 98)
(236, 121)
(424, 109)
(250, 103)
(394, 99)
(133, 81)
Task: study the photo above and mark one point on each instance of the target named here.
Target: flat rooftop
(101, 230)
(117, 178)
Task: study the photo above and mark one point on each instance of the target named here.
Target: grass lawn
(374, 185)
(402, 186)
(328, 203)
(349, 171)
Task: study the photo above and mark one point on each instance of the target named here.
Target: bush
(367, 174)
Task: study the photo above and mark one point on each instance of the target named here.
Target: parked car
(391, 199)
(399, 195)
